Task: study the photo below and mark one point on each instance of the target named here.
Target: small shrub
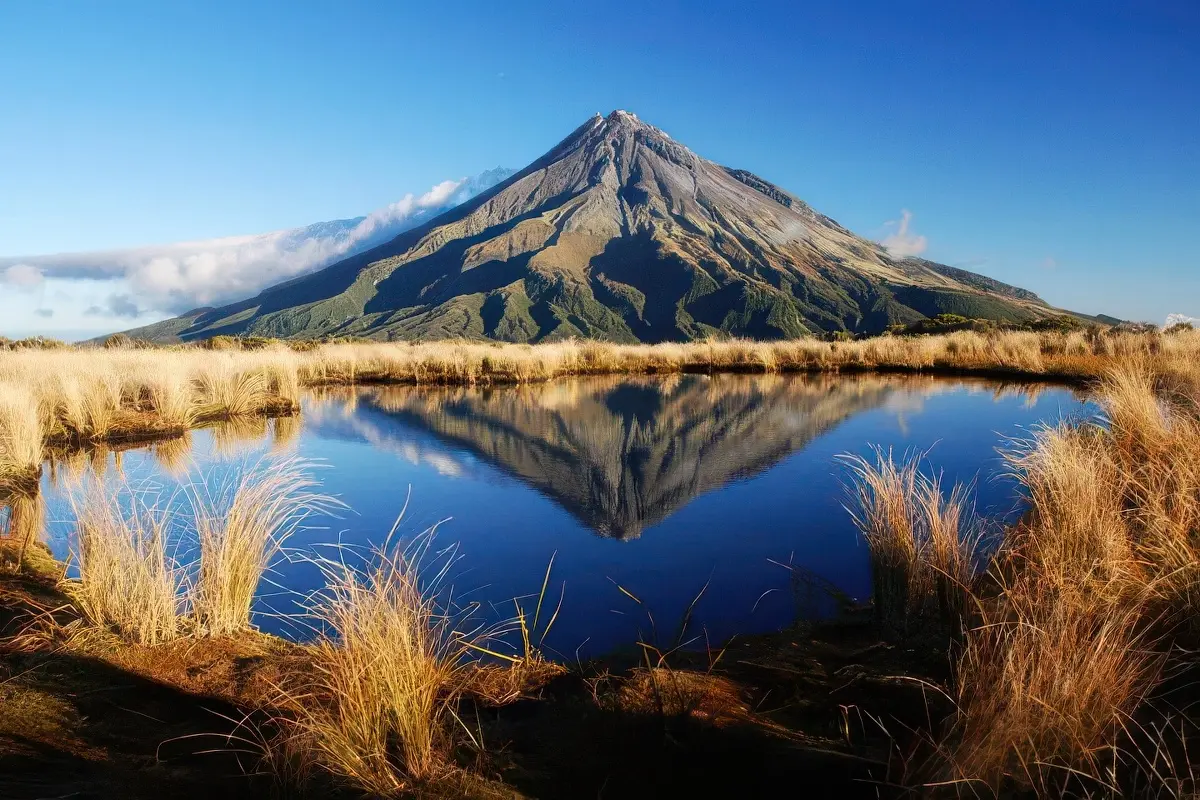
(221, 343)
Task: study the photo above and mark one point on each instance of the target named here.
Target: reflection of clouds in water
(340, 419)
(907, 403)
(444, 464)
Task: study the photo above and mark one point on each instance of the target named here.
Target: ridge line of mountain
(621, 233)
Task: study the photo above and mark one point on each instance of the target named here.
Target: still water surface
(660, 485)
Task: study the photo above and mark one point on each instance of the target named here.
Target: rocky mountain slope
(621, 233)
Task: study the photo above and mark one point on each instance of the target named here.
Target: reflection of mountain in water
(619, 454)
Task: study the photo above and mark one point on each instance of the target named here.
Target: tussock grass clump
(388, 658)
(228, 390)
(21, 434)
(1047, 687)
(128, 581)
(128, 549)
(923, 544)
(241, 528)
(1075, 537)
(1095, 600)
(884, 510)
(169, 393)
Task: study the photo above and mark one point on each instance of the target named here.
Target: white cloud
(23, 276)
(178, 277)
(1181, 319)
(901, 242)
(1049, 263)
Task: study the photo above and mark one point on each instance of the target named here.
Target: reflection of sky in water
(707, 479)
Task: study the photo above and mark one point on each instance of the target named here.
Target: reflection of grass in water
(22, 522)
(285, 431)
(236, 436)
(174, 455)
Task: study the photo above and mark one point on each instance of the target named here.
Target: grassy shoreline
(92, 395)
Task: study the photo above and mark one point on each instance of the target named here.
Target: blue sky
(1053, 149)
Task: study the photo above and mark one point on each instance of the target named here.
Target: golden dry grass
(1063, 355)
(1046, 689)
(89, 394)
(241, 528)
(378, 710)
(1098, 594)
(1093, 592)
(923, 543)
(128, 580)
(1093, 597)
(21, 434)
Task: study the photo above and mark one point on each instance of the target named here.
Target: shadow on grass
(75, 726)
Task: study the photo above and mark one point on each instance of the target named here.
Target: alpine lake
(719, 500)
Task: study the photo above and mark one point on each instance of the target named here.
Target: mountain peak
(621, 233)
(627, 119)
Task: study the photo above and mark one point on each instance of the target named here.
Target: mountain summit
(618, 232)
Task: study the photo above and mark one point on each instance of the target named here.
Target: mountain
(621, 233)
(622, 454)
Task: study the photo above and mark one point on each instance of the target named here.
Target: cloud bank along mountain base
(81, 294)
